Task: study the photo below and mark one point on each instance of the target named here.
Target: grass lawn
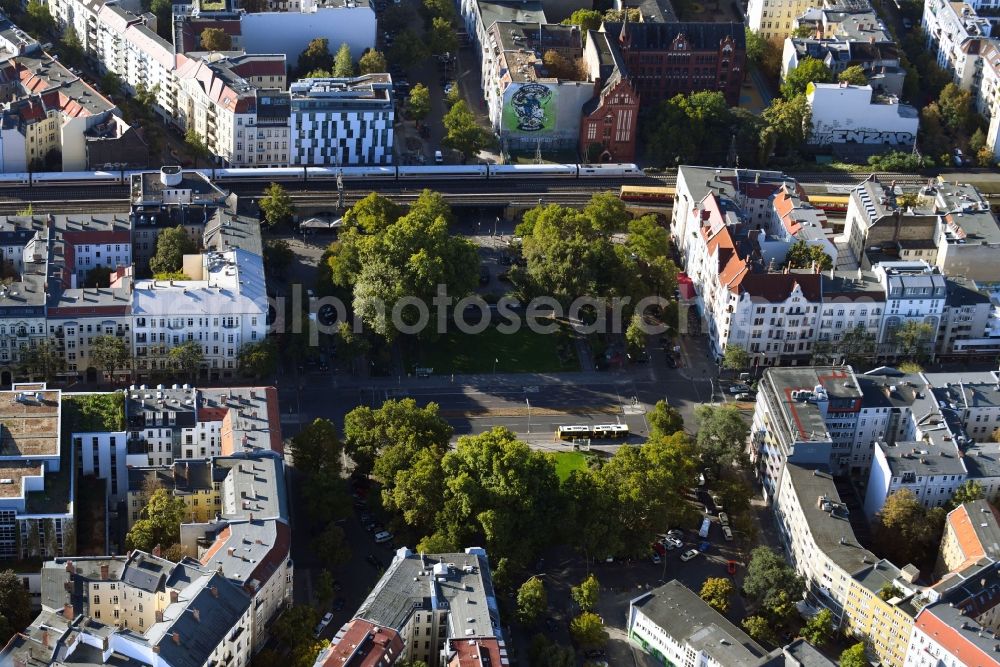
(522, 352)
(567, 462)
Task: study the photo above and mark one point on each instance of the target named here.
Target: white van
(438, 157)
(383, 536)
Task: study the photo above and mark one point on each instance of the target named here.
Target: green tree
(500, 493)
(41, 360)
(759, 628)
(216, 39)
(324, 588)
(985, 157)
(111, 353)
(802, 255)
(316, 447)
(343, 64)
(294, 629)
(771, 582)
(977, 141)
(532, 601)
(419, 102)
(819, 629)
(38, 18)
(546, 653)
(463, 132)
(196, 145)
(664, 419)
(854, 656)
(634, 334)
(690, 127)
(755, 47)
(956, 108)
(160, 522)
(856, 346)
(372, 62)
(788, 123)
(258, 360)
(408, 48)
(735, 358)
(721, 436)
(187, 358)
(331, 546)
(645, 486)
(809, 70)
(391, 435)
(853, 75)
(276, 205)
(590, 515)
(907, 532)
(163, 10)
(588, 631)
(441, 39)
(587, 19)
(171, 246)
(15, 605)
(72, 49)
(913, 339)
(716, 591)
(316, 56)
(559, 66)
(967, 492)
(585, 595)
(111, 84)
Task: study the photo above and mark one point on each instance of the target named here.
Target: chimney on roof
(176, 636)
(230, 551)
(173, 596)
(159, 616)
(105, 572)
(70, 568)
(68, 612)
(45, 637)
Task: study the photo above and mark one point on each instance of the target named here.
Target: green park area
(523, 351)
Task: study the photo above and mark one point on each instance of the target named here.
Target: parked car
(448, 87)
(676, 533)
(727, 533)
(908, 24)
(731, 567)
(744, 397)
(674, 543)
(384, 536)
(723, 518)
(656, 558)
(739, 389)
(689, 554)
(438, 157)
(321, 626)
(660, 548)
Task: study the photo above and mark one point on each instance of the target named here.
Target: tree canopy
(967, 492)
(216, 39)
(532, 601)
(419, 102)
(160, 522)
(171, 246)
(771, 582)
(386, 257)
(372, 62)
(111, 353)
(809, 70)
(722, 435)
(819, 629)
(907, 532)
(717, 591)
(316, 56)
(854, 75)
(276, 205)
(441, 39)
(587, 19)
(343, 64)
(588, 631)
(585, 595)
(664, 419)
(855, 656)
(802, 255)
(463, 132)
(187, 358)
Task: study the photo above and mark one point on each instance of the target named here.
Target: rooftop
(249, 552)
(701, 36)
(360, 643)
(254, 487)
(251, 418)
(29, 423)
(495, 11)
(524, 46)
(148, 187)
(800, 391)
(462, 580)
(827, 518)
(922, 458)
(977, 531)
(689, 620)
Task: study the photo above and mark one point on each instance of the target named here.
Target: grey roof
(963, 292)
(142, 403)
(146, 572)
(970, 389)
(688, 619)
(982, 459)
(421, 582)
(491, 12)
(803, 418)
(258, 549)
(830, 528)
(251, 411)
(801, 653)
(148, 187)
(219, 606)
(226, 229)
(254, 485)
(983, 521)
(362, 93)
(849, 285)
(889, 388)
(191, 476)
(924, 457)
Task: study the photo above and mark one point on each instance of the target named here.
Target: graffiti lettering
(862, 137)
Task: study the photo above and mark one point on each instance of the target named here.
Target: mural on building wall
(532, 108)
(861, 136)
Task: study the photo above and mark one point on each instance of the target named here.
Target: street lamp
(529, 414)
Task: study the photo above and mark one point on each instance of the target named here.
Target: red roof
(475, 652)
(952, 640)
(360, 643)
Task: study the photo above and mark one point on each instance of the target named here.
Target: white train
(286, 174)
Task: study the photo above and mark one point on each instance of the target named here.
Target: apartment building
(793, 219)
(914, 292)
(52, 119)
(843, 36)
(870, 598)
(342, 121)
(677, 627)
(775, 20)
(479, 16)
(806, 415)
(955, 35)
(931, 469)
(966, 321)
(971, 533)
(946, 224)
(421, 604)
(36, 491)
(137, 610)
(855, 122)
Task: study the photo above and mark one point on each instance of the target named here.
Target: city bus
(596, 431)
